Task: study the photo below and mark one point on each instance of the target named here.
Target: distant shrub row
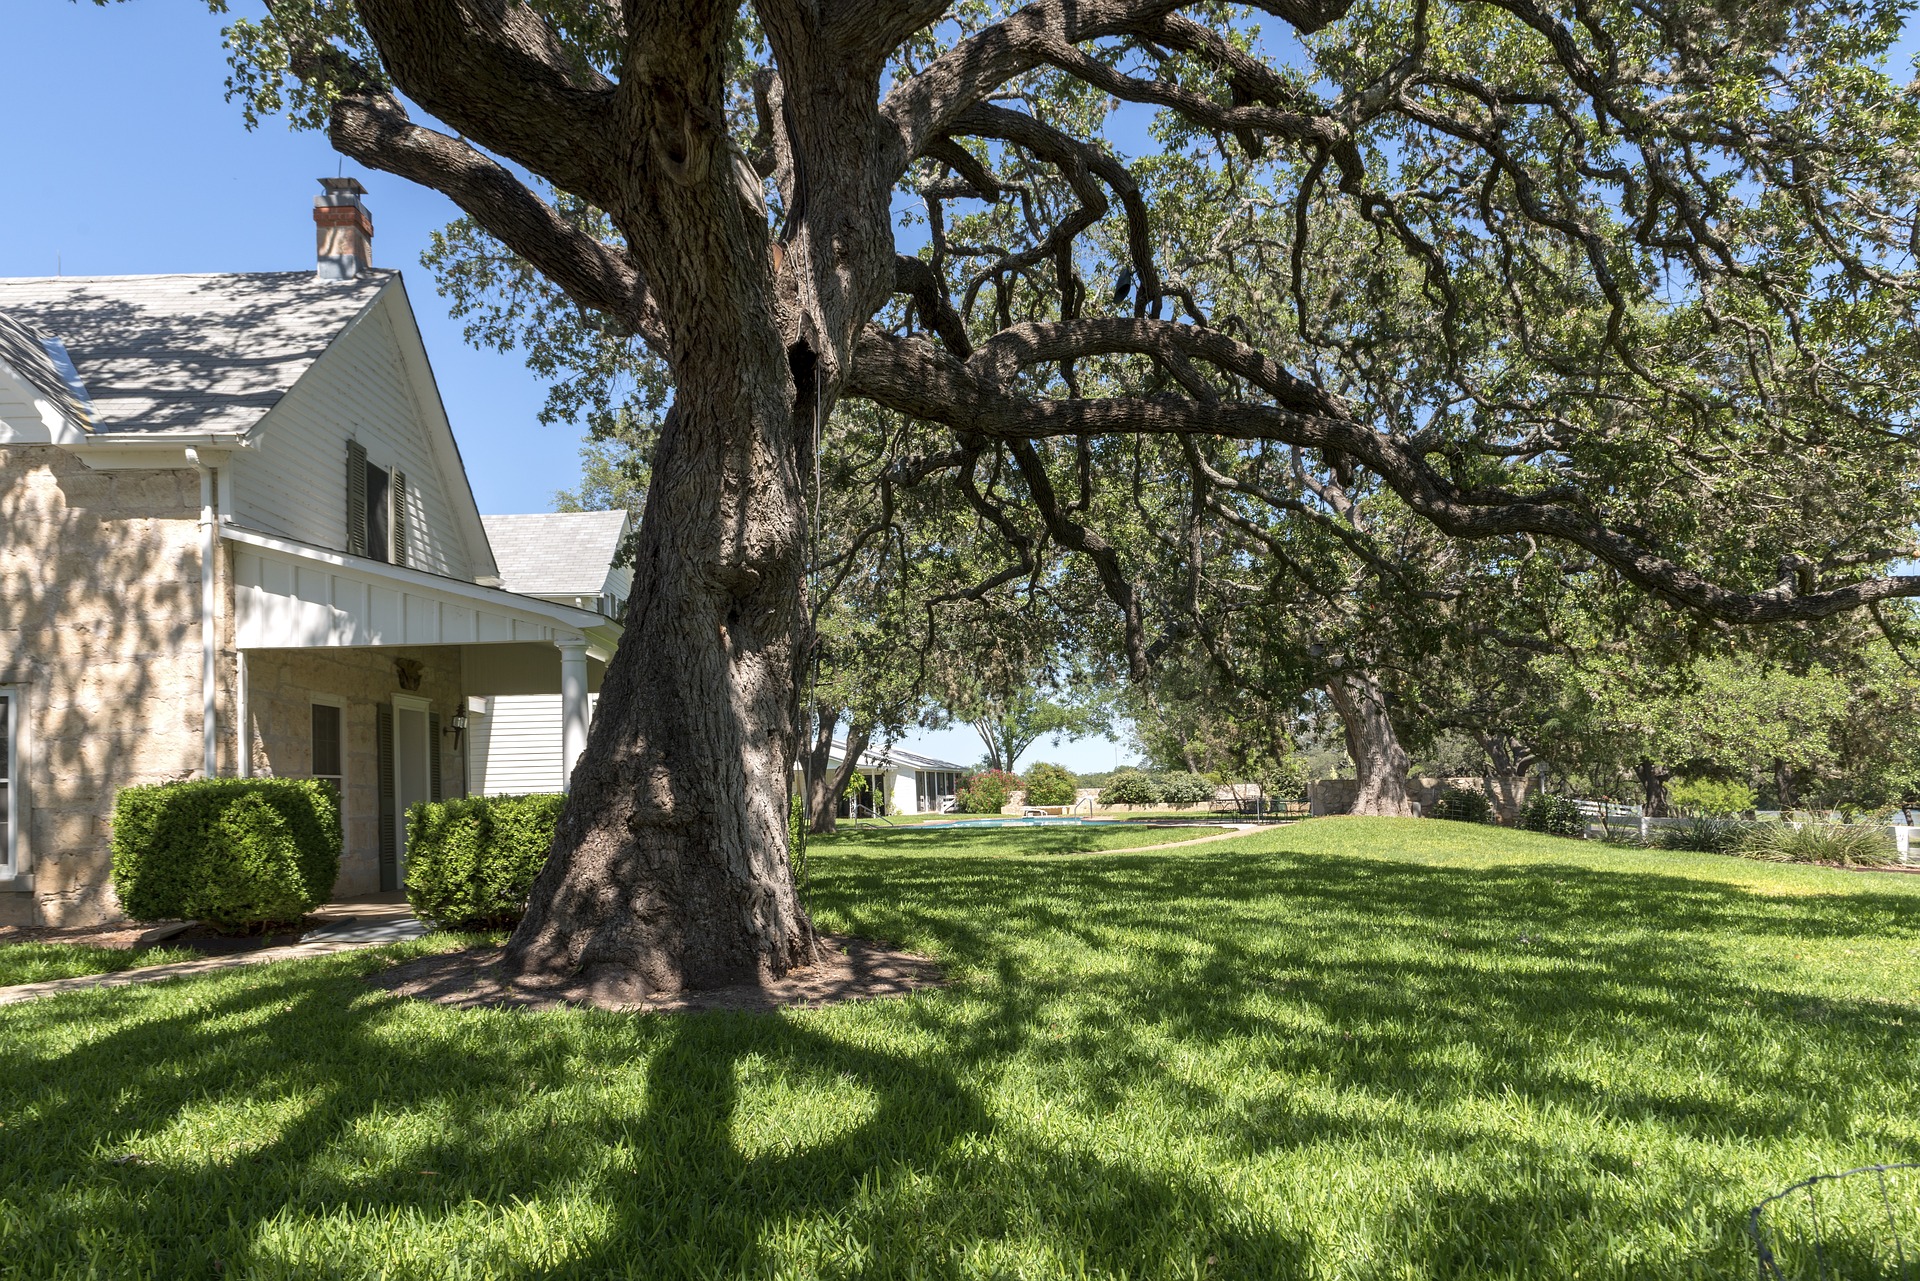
(1137, 787)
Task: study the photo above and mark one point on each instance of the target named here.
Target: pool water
(1051, 820)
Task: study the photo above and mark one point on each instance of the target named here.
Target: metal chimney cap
(342, 187)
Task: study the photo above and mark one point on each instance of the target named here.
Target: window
(376, 509)
(379, 513)
(9, 735)
(328, 752)
(936, 787)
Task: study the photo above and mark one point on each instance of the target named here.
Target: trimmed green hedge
(471, 861)
(233, 852)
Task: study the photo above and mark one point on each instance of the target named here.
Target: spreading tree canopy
(1573, 271)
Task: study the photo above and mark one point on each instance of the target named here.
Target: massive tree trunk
(670, 866)
(1378, 759)
(671, 863)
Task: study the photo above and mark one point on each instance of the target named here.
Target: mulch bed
(122, 935)
(128, 935)
(853, 970)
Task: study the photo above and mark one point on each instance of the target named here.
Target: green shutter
(400, 518)
(389, 814)
(356, 499)
(433, 755)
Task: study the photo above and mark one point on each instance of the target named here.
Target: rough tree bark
(1653, 786)
(1378, 758)
(826, 787)
(1786, 785)
(1508, 764)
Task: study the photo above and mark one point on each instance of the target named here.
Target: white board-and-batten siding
(282, 603)
(293, 483)
(516, 747)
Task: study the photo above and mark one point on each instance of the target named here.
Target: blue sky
(123, 157)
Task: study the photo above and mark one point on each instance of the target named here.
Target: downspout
(209, 641)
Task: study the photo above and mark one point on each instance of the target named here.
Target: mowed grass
(984, 840)
(38, 962)
(1348, 1048)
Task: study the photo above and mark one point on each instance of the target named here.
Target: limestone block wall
(100, 632)
(280, 689)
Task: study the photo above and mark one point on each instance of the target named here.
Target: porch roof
(293, 595)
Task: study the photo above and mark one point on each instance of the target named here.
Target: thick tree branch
(464, 60)
(926, 105)
(911, 376)
(375, 130)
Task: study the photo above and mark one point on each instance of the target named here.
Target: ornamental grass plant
(1849, 845)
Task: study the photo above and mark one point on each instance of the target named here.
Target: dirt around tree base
(852, 969)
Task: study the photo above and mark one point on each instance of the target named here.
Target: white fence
(1605, 818)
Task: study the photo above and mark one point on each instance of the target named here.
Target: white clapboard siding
(516, 746)
(21, 421)
(294, 482)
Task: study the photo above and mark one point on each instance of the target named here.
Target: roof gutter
(157, 440)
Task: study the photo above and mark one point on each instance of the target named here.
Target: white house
(236, 537)
(898, 782)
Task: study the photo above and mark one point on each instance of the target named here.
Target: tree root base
(850, 969)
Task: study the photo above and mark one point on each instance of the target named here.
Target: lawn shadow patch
(850, 969)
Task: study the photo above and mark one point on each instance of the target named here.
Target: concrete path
(344, 927)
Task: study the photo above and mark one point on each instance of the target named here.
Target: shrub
(1554, 815)
(471, 861)
(1050, 785)
(1284, 780)
(986, 792)
(1463, 805)
(1702, 835)
(237, 853)
(1711, 798)
(1130, 787)
(1819, 843)
(1182, 788)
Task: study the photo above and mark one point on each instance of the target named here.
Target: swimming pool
(1051, 820)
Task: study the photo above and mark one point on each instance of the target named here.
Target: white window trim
(329, 700)
(15, 859)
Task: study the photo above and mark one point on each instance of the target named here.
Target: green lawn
(37, 962)
(1348, 1048)
(1088, 839)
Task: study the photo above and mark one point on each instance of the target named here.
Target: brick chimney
(343, 231)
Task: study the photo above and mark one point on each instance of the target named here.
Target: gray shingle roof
(189, 354)
(899, 758)
(555, 553)
(30, 356)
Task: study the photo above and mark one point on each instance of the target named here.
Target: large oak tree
(1535, 186)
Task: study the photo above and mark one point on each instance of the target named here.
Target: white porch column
(573, 705)
(243, 730)
(209, 639)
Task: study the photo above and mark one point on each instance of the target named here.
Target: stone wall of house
(100, 632)
(280, 689)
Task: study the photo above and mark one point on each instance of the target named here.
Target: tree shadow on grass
(287, 1121)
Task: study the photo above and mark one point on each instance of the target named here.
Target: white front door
(412, 767)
